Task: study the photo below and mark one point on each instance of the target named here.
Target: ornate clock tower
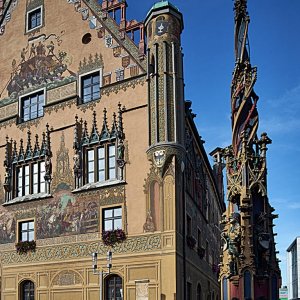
(249, 267)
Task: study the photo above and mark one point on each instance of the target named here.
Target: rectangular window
(30, 179)
(119, 75)
(112, 218)
(199, 239)
(188, 225)
(91, 166)
(26, 231)
(90, 87)
(188, 290)
(19, 189)
(32, 106)
(112, 161)
(42, 177)
(26, 181)
(100, 163)
(34, 18)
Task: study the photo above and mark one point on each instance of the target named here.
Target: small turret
(164, 24)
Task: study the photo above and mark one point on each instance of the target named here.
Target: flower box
(111, 237)
(23, 247)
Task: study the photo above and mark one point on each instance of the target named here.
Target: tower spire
(249, 267)
(244, 113)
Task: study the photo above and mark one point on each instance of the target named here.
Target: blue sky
(209, 62)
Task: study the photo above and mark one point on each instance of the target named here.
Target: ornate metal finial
(75, 142)
(85, 130)
(94, 134)
(114, 127)
(243, 98)
(15, 151)
(21, 151)
(120, 120)
(48, 142)
(104, 132)
(7, 165)
(240, 7)
(28, 148)
(36, 150)
(7, 152)
(43, 147)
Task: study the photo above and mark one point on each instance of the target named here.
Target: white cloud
(294, 205)
(282, 113)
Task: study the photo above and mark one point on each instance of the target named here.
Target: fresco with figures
(40, 64)
(64, 214)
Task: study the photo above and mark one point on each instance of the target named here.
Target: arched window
(199, 297)
(113, 288)
(27, 290)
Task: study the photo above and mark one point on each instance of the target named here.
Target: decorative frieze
(62, 92)
(9, 111)
(146, 243)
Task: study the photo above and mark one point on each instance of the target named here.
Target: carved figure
(149, 225)
(76, 160)
(50, 48)
(121, 149)
(232, 241)
(48, 168)
(40, 49)
(32, 51)
(23, 54)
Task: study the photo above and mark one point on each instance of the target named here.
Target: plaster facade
(162, 181)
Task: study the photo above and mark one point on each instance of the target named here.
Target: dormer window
(99, 156)
(34, 19)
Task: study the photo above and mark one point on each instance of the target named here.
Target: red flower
(23, 247)
(111, 237)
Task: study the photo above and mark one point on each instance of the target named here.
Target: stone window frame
(80, 85)
(40, 7)
(113, 218)
(19, 229)
(106, 145)
(31, 94)
(30, 164)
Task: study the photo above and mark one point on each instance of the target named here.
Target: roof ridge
(112, 27)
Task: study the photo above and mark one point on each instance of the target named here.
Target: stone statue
(232, 241)
(121, 149)
(149, 225)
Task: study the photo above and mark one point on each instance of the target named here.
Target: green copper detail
(162, 4)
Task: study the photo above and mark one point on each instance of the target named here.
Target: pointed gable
(45, 44)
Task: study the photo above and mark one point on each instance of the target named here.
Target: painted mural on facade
(66, 215)
(40, 64)
(7, 227)
(63, 215)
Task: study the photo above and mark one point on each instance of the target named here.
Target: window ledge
(28, 198)
(99, 184)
